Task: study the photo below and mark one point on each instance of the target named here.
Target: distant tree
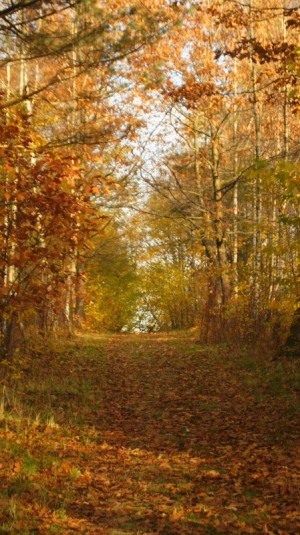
(113, 285)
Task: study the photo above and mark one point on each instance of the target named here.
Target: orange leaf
(96, 190)
(17, 467)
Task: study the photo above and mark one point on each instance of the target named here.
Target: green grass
(58, 394)
(43, 417)
(266, 379)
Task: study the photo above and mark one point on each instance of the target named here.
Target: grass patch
(267, 379)
(44, 434)
(58, 383)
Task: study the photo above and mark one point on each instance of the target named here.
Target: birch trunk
(235, 189)
(69, 298)
(286, 139)
(221, 253)
(257, 199)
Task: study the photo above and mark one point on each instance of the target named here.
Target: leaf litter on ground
(149, 434)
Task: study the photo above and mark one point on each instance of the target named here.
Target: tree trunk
(291, 347)
(257, 199)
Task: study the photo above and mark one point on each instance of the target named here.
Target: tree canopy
(178, 122)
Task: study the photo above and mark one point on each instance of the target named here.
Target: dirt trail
(187, 449)
(152, 434)
(182, 398)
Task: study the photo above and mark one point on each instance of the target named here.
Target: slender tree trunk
(7, 273)
(11, 324)
(69, 296)
(221, 253)
(257, 199)
(235, 189)
(286, 141)
(286, 125)
(291, 347)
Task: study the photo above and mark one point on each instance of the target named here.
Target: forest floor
(150, 434)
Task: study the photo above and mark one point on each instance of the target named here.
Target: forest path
(192, 446)
(168, 393)
(153, 434)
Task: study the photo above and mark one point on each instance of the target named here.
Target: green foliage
(113, 287)
(167, 297)
(168, 270)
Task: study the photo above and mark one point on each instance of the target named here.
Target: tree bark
(291, 347)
